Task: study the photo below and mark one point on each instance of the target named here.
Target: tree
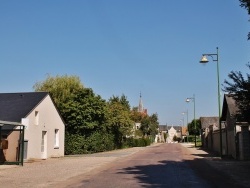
(246, 4)
(239, 88)
(124, 101)
(149, 125)
(84, 113)
(136, 116)
(61, 88)
(145, 124)
(191, 127)
(119, 118)
(154, 125)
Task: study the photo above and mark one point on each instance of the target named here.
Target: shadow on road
(187, 173)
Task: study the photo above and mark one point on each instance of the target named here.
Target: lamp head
(187, 100)
(204, 59)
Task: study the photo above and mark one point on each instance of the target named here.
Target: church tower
(140, 107)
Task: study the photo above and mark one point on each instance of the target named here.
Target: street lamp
(186, 112)
(182, 120)
(183, 113)
(182, 127)
(188, 100)
(216, 59)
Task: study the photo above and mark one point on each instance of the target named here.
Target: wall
(215, 146)
(231, 144)
(244, 148)
(48, 121)
(11, 154)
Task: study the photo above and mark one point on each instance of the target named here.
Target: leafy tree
(124, 101)
(137, 116)
(191, 127)
(61, 88)
(84, 113)
(246, 4)
(154, 124)
(145, 124)
(119, 119)
(149, 125)
(239, 87)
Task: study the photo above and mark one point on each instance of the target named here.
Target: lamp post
(182, 120)
(188, 100)
(216, 59)
(183, 113)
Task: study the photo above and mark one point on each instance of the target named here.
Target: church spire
(140, 107)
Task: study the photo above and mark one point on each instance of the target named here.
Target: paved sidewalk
(48, 173)
(239, 171)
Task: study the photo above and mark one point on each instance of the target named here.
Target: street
(159, 165)
(166, 165)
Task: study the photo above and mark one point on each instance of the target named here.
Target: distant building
(171, 132)
(142, 111)
(141, 108)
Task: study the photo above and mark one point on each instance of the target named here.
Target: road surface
(159, 165)
(166, 165)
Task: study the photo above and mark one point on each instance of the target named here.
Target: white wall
(49, 120)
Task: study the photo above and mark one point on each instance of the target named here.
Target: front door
(44, 145)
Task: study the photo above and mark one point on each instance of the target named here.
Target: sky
(127, 47)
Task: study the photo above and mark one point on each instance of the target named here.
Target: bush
(96, 142)
(191, 138)
(136, 142)
(176, 139)
(99, 142)
(74, 144)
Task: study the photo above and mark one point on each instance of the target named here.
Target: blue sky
(126, 47)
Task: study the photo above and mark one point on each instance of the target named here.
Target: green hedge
(136, 142)
(96, 142)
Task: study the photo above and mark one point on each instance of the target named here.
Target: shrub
(96, 142)
(176, 139)
(137, 142)
(74, 144)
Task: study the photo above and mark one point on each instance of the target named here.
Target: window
(36, 117)
(56, 139)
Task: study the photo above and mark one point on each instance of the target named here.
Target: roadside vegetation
(94, 124)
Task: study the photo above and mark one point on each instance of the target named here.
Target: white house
(174, 131)
(44, 127)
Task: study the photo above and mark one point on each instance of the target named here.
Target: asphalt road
(166, 165)
(158, 165)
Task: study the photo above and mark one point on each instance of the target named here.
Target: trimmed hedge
(136, 142)
(96, 142)
(99, 142)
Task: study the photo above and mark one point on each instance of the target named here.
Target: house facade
(44, 128)
(174, 131)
